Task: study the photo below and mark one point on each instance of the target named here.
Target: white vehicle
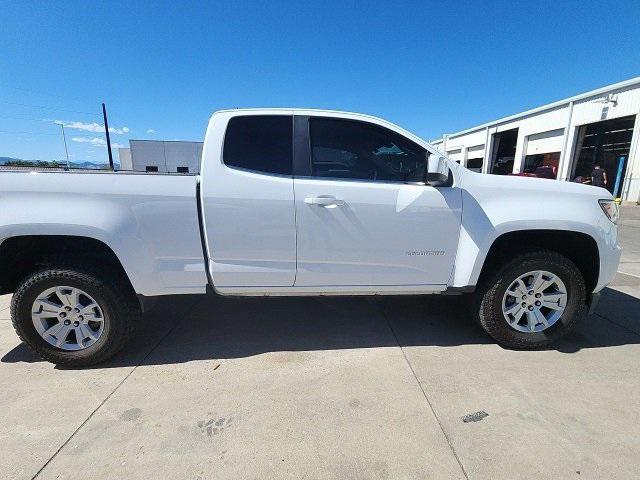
(299, 202)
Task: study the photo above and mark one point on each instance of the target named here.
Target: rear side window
(260, 142)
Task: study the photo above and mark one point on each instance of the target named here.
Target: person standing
(598, 177)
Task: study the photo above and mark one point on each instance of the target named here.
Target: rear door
(364, 216)
(248, 203)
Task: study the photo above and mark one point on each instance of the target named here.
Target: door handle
(324, 201)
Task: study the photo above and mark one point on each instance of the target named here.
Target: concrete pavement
(630, 239)
(330, 388)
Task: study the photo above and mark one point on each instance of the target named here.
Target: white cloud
(96, 141)
(100, 142)
(150, 131)
(91, 127)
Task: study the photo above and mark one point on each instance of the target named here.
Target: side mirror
(437, 171)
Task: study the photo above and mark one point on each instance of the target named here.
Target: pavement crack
(115, 389)
(424, 394)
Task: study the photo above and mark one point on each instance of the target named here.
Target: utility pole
(64, 139)
(106, 131)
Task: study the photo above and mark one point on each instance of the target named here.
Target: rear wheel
(73, 316)
(532, 300)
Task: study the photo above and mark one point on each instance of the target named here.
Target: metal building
(124, 154)
(161, 156)
(562, 140)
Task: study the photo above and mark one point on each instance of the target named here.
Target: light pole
(106, 132)
(64, 139)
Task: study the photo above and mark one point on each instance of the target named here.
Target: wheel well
(22, 255)
(580, 248)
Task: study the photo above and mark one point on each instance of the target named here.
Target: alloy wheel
(534, 301)
(67, 318)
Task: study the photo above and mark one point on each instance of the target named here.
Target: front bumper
(610, 252)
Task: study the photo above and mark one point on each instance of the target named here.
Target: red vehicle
(545, 171)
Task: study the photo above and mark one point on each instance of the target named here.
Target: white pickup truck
(299, 202)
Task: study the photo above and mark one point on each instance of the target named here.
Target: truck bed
(150, 221)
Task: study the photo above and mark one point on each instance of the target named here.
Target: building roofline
(549, 106)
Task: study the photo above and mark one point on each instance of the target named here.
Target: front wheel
(72, 316)
(532, 300)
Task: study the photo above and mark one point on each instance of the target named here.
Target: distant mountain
(61, 163)
(4, 160)
(90, 165)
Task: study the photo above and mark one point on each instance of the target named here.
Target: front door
(364, 216)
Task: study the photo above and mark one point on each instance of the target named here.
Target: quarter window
(260, 142)
(358, 150)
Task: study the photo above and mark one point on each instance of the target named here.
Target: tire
(115, 317)
(492, 290)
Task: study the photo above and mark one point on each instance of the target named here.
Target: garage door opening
(475, 158)
(543, 165)
(504, 152)
(606, 144)
(455, 155)
(475, 164)
(542, 154)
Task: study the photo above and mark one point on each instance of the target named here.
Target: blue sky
(431, 67)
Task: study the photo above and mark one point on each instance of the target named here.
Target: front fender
(492, 215)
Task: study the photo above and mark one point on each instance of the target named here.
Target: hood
(530, 185)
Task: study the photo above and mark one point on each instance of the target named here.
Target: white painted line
(630, 274)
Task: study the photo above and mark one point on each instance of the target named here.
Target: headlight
(610, 209)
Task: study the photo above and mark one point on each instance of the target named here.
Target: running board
(331, 290)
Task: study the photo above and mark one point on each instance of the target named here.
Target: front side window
(260, 142)
(358, 150)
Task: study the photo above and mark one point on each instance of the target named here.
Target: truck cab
(324, 202)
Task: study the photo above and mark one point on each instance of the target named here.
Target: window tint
(260, 142)
(358, 150)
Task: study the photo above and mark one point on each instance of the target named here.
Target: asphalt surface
(333, 388)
